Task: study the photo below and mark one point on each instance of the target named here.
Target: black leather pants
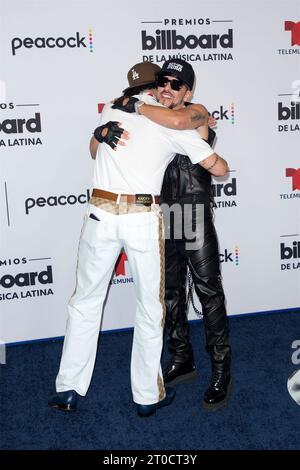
(204, 265)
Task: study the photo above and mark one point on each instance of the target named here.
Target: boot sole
(147, 415)
(221, 404)
(183, 379)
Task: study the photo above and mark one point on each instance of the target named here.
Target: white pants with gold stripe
(101, 241)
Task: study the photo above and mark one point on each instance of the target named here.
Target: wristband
(211, 166)
(137, 106)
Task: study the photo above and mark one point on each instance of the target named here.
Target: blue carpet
(261, 414)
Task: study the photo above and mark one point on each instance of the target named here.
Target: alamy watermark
(188, 223)
(184, 222)
(296, 353)
(293, 382)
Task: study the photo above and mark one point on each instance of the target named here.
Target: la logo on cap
(135, 75)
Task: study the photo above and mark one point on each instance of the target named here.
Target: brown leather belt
(139, 199)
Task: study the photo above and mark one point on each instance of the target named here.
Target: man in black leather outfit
(189, 185)
(184, 184)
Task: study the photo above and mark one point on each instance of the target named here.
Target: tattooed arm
(215, 164)
(189, 117)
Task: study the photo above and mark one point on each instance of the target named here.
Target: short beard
(176, 105)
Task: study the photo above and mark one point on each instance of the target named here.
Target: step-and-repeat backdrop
(61, 59)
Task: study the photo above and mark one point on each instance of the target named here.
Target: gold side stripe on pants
(162, 269)
(161, 242)
(161, 388)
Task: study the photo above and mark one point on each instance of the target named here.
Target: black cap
(180, 69)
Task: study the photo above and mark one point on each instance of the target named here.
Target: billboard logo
(289, 115)
(192, 44)
(226, 192)
(227, 189)
(290, 254)
(27, 279)
(18, 132)
(285, 112)
(19, 126)
(169, 39)
(36, 282)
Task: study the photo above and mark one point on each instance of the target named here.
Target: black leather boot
(218, 393)
(180, 372)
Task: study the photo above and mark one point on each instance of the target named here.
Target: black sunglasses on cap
(174, 84)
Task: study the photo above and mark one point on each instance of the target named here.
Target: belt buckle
(143, 199)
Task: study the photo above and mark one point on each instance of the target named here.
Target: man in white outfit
(124, 213)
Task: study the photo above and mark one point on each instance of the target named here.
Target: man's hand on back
(111, 133)
(127, 104)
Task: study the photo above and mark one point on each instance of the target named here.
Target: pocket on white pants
(99, 225)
